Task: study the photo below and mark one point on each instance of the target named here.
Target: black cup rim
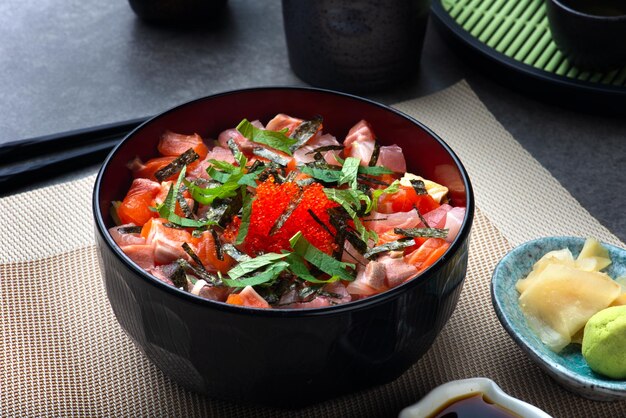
(358, 305)
(573, 11)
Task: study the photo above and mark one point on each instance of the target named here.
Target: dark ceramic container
(361, 45)
(177, 11)
(591, 33)
(282, 356)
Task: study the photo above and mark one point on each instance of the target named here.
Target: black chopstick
(30, 161)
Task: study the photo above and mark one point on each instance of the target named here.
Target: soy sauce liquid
(598, 7)
(473, 406)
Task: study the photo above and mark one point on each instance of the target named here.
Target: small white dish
(442, 395)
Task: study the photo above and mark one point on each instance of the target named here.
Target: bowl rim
(293, 312)
(531, 350)
(600, 18)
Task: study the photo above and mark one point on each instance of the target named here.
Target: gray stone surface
(68, 64)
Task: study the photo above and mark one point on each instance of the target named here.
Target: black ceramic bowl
(282, 356)
(591, 33)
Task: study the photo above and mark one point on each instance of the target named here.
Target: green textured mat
(519, 30)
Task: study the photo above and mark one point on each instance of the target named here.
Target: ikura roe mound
(283, 215)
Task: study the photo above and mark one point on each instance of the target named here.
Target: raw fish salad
(283, 215)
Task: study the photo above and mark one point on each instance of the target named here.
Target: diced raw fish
(351, 255)
(141, 254)
(362, 131)
(398, 271)
(166, 241)
(358, 286)
(337, 288)
(392, 157)
(360, 142)
(317, 302)
(436, 218)
(164, 272)
(164, 252)
(315, 142)
(282, 121)
(374, 275)
(135, 206)
(214, 292)
(126, 239)
(217, 153)
(388, 221)
(454, 219)
(250, 297)
(245, 145)
(173, 144)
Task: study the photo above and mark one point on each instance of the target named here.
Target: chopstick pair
(30, 161)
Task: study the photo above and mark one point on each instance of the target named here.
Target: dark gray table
(68, 64)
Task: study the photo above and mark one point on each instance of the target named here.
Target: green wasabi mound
(604, 342)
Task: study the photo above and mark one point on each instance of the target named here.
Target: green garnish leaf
(298, 267)
(325, 175)
(319, 259)
(393, 188)
(349, 171)
(248, 266)
(168, 207)
(245, 219)
(375, 170)
(276, 140)
(206, 196)
(265, 276)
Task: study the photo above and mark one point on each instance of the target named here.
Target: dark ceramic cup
(272, 356)
(359, 46)
(177, 11)
(591, 33)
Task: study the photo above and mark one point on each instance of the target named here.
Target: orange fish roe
(271, 201)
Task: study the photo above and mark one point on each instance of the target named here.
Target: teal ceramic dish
(567, 367)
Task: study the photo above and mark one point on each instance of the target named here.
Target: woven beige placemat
(63, 352)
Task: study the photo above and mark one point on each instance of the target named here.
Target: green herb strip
(167, 208)
(245, 219)
(393, 188)
(349, 172)
(265, 276)
(319, 259)
(371, 171)
(276, 140)
(298, 267)
(248, 266)
(325, 175)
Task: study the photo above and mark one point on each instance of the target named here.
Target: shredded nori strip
(233, 147)
(287, 213)
(318, 156)
(175, 166)
(193, 255)
(375, 154)
(421, 217)
(222, 210)
(338, 218)
(129, 230)
(218, 245)
(256, 164)
(305, 131)
(422, 232)
(197, 233)
(326, 148)
(368, 179)
(183, 204)
(356, 241)
(172, 225)
(179, 277)
(237, 255)
(273, 170)
(211, 279)
(291, 176)
(419, 187)
(389, 246)
(374, 220)
(270, 155)
(320, 222)
(305, 182)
